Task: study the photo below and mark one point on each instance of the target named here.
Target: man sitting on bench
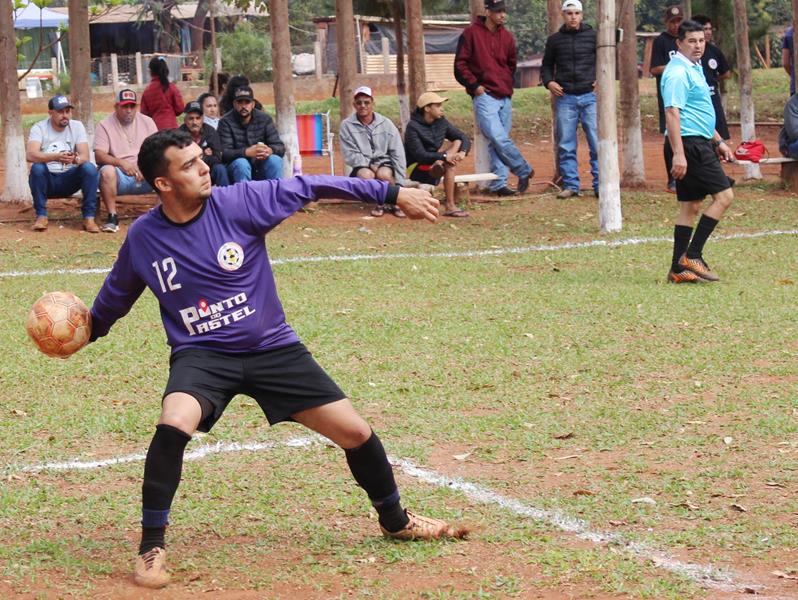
(117, 142)
(434, 147)
(788, 136)
(59, 150)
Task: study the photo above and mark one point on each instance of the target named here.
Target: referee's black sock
(162, 470)
(681, 241)
(706, 225)
(372, 471)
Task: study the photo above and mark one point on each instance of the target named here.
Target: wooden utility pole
(80, 65)
(554, 21)
(610, 218)
(747, 127)
(687, 7)
(416, 68)
(634, 171)
(16, 181)
(284, 84)
(480, 146)
(214, 54)
(401, 87)
(345, 41)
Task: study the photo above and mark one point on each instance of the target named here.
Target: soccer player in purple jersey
(202, 254)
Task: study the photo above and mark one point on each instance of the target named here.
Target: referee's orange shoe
(699, 267)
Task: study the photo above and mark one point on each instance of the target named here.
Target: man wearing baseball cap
(207, 139)
(663, 49)
(372, 146)
(485, 65)
(569, 73)
(117, 142)
(59, 150)
(435, 148)
(251, 146)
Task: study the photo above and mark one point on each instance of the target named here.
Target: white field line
(704, 575)
(423, 255)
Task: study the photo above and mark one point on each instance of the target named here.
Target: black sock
(706, 225)
(681, 241)
(372, 471)
(162, 470)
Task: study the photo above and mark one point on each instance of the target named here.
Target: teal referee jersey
(684, 87)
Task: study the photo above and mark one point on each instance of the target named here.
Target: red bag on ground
(752, 151)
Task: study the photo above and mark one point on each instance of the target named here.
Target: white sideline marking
(422, 255)
(704, 575)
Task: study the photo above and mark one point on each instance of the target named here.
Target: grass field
(571, 380)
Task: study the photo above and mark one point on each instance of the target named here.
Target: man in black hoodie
(434, 147)
(569, 73)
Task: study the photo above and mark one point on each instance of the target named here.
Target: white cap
(572, 4)
(363, 90)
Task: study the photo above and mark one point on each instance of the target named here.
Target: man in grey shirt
(372, 146)
(59, 150)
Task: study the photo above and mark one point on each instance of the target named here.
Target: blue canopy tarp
(33, 17)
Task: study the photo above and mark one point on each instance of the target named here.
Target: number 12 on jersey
(166, 272)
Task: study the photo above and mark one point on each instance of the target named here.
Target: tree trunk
(480, 146)
(16, 185)
(687, 5)
(284, 85)
(80, 65)
(794, 29)
(747, 128)
(401, 87)
(555, 21)
(344, 36)
(610, 218)
(415, 49)
(198, 29)
(634, 171)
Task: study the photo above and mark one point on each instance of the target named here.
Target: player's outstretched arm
(418, 204)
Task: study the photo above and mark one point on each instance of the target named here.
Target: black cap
(243, 93)
(495, 5)
(59, 103)
(193, 107)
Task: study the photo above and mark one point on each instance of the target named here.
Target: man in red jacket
(485, 65)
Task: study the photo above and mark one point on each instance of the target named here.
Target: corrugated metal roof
(126, 13)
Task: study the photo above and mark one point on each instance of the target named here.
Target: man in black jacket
(569, 73)
(434, 147)
(251, 146)
(206, 138)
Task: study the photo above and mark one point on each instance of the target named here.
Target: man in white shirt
(59, 150)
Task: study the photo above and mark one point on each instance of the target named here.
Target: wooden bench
(789, 169)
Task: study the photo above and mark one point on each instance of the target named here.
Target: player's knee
(179, 421)
(355, 435)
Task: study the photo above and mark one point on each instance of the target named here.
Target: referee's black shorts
(283, 381)
(705, 174)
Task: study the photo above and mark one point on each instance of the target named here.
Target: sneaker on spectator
(398, 212)
(111, 225)
(40, 224)
(567, 193)
(90, 225)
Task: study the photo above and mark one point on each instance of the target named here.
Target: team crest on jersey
(230, 256)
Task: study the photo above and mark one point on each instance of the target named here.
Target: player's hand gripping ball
(59, 324)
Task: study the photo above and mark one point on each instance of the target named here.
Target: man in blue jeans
(569, 73)
(59, 150)
(485, 65)
(251, 146)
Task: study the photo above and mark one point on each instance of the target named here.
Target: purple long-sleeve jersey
(212, 275)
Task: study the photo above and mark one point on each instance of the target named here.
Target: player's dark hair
(703, 19)
(202, 98)
(152, 156)
(159, 69)
(689, 26)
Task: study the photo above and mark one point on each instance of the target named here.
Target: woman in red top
(161, 100)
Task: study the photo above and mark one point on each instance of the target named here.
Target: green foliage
(247, 51)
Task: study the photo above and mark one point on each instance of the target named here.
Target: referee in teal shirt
(697, 151)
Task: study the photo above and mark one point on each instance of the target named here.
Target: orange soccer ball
(59, 324)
